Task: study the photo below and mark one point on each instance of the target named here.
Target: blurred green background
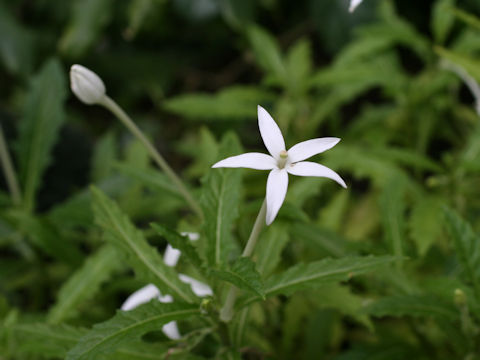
(189, 71)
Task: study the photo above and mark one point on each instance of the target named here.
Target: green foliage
(43, 117)
(467, 247)
(181, 243)
(127, 326)
(220, 199)
(305, 276)
(141, 256)
(84, 283)
(87, 21)
(243, 275)
(413, 305)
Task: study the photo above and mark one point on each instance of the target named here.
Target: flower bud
(86, 85)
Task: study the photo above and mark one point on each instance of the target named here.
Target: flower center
(282, 160)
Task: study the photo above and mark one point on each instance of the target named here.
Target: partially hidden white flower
(354, 4)
(150, 291)
(86, 85)
(282, 162)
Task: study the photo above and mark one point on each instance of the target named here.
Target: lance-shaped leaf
(54, 341)
(141, 256)
(220, 198)
(181, 243)
(467, 247)
(304, 276)
(243, 275)
(127, 326)
(84, 283)
(44, 114)
(413, 305)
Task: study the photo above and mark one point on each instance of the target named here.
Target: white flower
(86, 85)
(354, 4)
(150, 291)
(282, 162)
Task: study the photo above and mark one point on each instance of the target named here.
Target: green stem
(226, 313)
(128, 122)
(9, 171)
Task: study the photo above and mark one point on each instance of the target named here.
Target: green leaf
(267, 53)
(299, 66)
(312, 275)
(413, 305)
(88, 19)
(423, 223)
(39, 128)
(269, 248)
(392, 205)
(317, 237)
(104, 156)
(84, 283)
(443, 19)
(141, 256)
(467, 246)
(469, 64)
(468, 18)
(16, 43)
(243, 275)
(181, 243)
(219, 200)
(46, 340)
(54, 341)
(127, 326)
(232, 103)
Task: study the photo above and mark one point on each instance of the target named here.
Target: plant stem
(9, 170)
(226, 313)
(128, 122)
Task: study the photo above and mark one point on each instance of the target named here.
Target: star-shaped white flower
(282, 162)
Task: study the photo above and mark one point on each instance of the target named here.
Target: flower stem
(226, 313)
(9, 171)
(128, 122)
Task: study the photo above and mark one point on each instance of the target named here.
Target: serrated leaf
(423, 223)
(181, 243)
(84, 283)
(413, 305)
(88, 19)
(243, 275)
(127, 326)
(219, 201)
(233, 103)
(467, 246)
(312, 275)
(318, 237)
(141, 256)
(39, 128)
(55, 341)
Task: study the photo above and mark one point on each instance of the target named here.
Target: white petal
(171, 330)
(257, 161)
(277, 185)
(307, 168)
(171, 256)
(308, 148)
(271, 134)
(165, 298)
(192, 236)
(354, 4)
(141, 296)
(198, 288)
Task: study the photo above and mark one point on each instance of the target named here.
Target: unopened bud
(86, 85)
